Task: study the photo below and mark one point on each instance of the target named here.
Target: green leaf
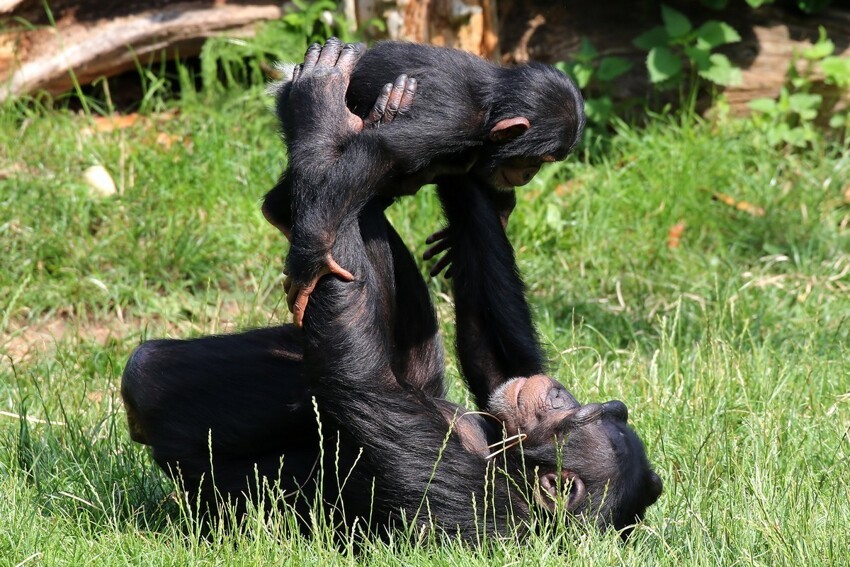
(612, 67)
(763, 105)
(836, 71)
(586, 51)
(758, 3)
(655, 37)
(838, 121)
(801, 102)
(822, 48)
(675, 23)
(713, 33)
(699, 56)
(582, 73)
(721, 71)
(662, 64)
(805, 105)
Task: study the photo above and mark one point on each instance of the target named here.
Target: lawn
(687, 268)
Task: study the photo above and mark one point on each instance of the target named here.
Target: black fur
(460, 98)
(379, 389)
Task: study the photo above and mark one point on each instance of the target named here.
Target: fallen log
(39, 50)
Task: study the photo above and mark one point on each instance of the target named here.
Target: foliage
(791, 119)
(676, 41)
(230, 61)
(594, 74)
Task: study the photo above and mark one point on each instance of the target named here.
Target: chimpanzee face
(597, 452)
(518, 171)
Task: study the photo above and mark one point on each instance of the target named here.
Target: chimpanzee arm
(496, 339)
(404, 435)
(335, 165)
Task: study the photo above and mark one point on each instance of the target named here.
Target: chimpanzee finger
(330, 53)
(439, 235)
(310, 58)
(296, 72)
(438, 248)
(407, 96)
(351, 54)
(395, 99)
(380, 107)
(441, 265)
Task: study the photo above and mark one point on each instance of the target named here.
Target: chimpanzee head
(537, 116)
(587, 455)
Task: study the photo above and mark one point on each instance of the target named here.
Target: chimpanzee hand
(318, 87)
(329, 69)
(395, 98)
(503, 201)
(322, 77)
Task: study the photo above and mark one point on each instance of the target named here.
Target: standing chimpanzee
(394, 450)
(473, 118)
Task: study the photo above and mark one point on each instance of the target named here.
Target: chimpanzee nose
(616, 409)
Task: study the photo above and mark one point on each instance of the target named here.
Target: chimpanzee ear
(567, 482)
(509, 128)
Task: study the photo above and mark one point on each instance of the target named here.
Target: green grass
(731, 350)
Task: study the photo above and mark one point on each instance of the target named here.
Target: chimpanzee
(472, 118)
(391, 449)
(232, 412)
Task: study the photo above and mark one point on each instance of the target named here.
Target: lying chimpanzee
(225, 412)
(393, 449)
(472, 118)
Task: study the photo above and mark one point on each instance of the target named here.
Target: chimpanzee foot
(297, 295)
(395, 99)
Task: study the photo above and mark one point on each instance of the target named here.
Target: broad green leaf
(838, 121)
(721, 71)
(662, 64)
(655, 37)
(758, 3)
(822, 48)
(582, 73)
(612, 67)
(713, 33)
(836, 70)
(804, 103)
(675, 23)
(762, 105)
(699, 56)
(586, 51)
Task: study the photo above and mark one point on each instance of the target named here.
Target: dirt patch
(27, 339)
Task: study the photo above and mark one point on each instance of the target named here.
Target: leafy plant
(594, 74)
(228, 61)
(791, 118)
(670, 45)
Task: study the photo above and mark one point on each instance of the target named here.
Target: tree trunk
(471, 25)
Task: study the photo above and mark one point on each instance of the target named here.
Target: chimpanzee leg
(216, 407)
